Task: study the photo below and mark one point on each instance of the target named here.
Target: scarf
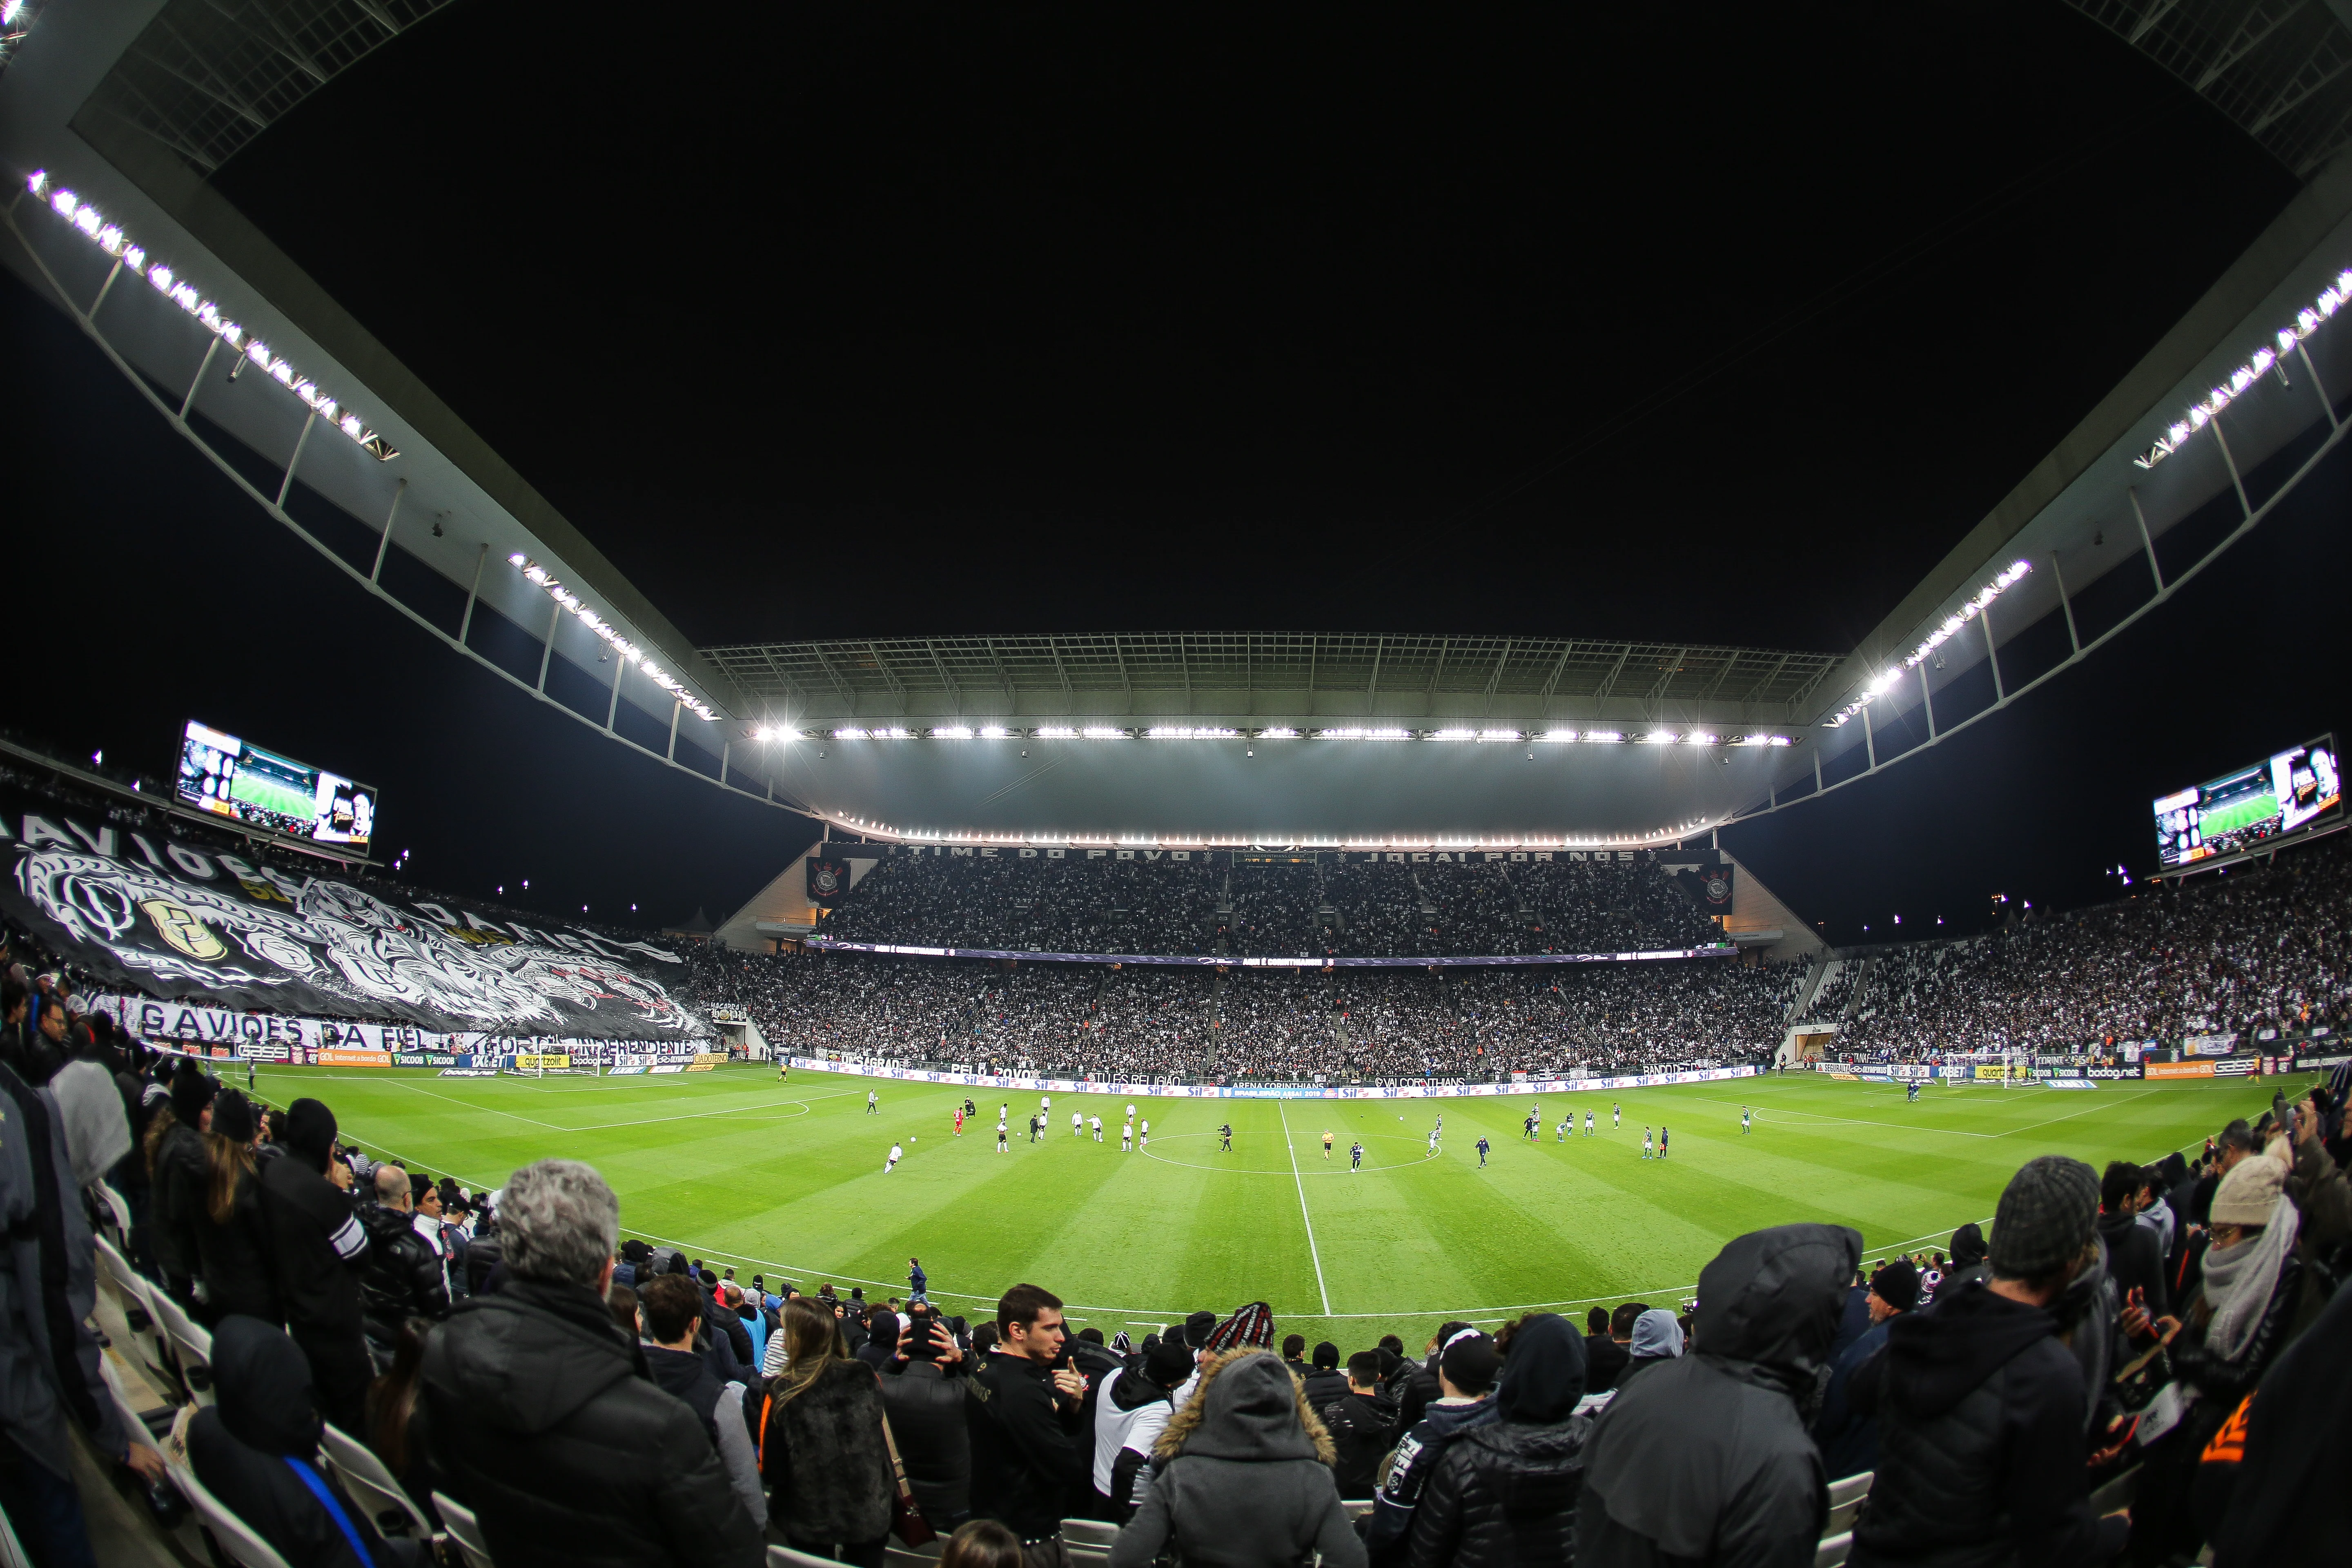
(2239, 1281)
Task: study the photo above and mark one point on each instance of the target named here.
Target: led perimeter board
(234, 778)
(2281, 795)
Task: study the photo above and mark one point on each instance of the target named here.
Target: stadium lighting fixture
(534, 573)
(1280, 732)
(1969, 609)
(994, 732)
(1453, 734)
(110, 237)
(2202, 413)
(1698, 738)
(1102, 732)
(1660, 738)
(952, 733)
(1356, 732)
(1188, 732)
(1604, 737)
(1555, 737)
(1057, 733)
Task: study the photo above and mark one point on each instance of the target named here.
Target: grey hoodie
(1247, 1488)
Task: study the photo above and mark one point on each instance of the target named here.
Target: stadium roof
(123, 110)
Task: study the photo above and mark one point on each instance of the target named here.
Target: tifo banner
(828, 878)
(1417, 961)
(140, 908)
(1215, 1091)
(275, 1037)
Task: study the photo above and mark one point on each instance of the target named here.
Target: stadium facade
(113, 119)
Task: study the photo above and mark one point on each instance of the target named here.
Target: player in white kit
(889, 1165)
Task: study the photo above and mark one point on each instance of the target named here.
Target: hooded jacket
(1981, 1450)
(539, 1413)
(267, 1412)
(1397, 1503)
(401, 1275)
(1706, 1456)
(181, 1173)
(1363, 1427)
(1505, 1493)
(1243, 1476)
(684, 1375)
(2135, 1259)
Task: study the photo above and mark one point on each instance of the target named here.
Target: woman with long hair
(822, 1452)
(390, 1401)
(233, 1248)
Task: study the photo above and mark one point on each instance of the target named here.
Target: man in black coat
(256, 1450)
(1325, 1382)
(926, 1405)
(1604, 1357)
(1022, 1416)
(2134, 1252)
(401, 1277)
(1981, 1408)
(1706, 1456)
(182, 1175)
(316, 1245)
(1363, 1425)
(539, 1410)
(1505, 1489)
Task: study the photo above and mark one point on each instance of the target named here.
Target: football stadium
(1756, 1046)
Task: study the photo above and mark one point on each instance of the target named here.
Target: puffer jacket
(399, 1275)
(538, 1412)
(1505, 1493)
(1243, 1478)
(181, 1174)
(926, 1408)
(1980, 1447)
(1706, 1458)
(827, 1471)
(233, 1259)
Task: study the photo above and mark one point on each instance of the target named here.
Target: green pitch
(787, 1180)
(2240, 814)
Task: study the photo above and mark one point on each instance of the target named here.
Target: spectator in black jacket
(232, 1234)
(881, 1350)
(1363, 1425)
(669, 1312)
(2134, 1253)
(1418, 1390)
(539, 1413)
(1325, 1383)
(178, 1171)
(401, 1277)
(1022, 1418)
(925, 1400)
(256, 1450)
(830, 1487)
(1604, 1357)
(1981, 1409)
(1504, 1492)
(1706, 1456)
(316, 1245)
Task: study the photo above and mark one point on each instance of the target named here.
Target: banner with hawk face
(116, 894)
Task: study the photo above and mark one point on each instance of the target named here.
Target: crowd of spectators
(595, 1400)
(1269, 908)
(2259, 951)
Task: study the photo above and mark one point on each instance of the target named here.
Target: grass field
(787, 1180)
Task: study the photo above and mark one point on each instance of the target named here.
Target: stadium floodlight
(1556, 737)
(1660, 738)
(1102, 732)
(1604, 737)
(1189, 732)
(1490, 735)
(1698, 738)
(517, 559)
(112, 238)
(952, 733)
(2202, 413)
(1057, 733)
(994, 732)
(1453, 734)
(1279, 732)
(851, 735)
(630, 653)
(1969, 608)
(1357, 733)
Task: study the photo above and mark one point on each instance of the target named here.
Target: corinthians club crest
(827, 880)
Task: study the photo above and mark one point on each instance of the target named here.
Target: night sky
(919, 319)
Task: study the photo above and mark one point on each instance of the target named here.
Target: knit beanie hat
(1198, 1327)
(1168, 1363)
(1251, 1325)
(233, 1117)
(1469, 1361)
(2045, 1218)
(2249, 1194)
(310, 1133)
(1898, 1285)
(192, 1090)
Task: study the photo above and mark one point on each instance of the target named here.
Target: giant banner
(142, 908)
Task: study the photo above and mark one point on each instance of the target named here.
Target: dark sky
(917, 319)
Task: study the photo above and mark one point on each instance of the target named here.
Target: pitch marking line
(1308, 1219)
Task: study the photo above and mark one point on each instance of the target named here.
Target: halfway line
(1302, 1208)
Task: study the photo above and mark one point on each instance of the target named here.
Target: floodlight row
(2332, 298)
(1970, 608)
(587, 616)
(109, 236)
(1654, 737)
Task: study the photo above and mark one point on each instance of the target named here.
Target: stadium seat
(1845, 1501)
(154, 1357)
(374, 1486)
(1832, 1552)
(114, 1214)
(785, 1557)
(901, 1555)
(1089, 1540)
(12, 1550)
(466, 1530)
(235, 1540)
(1358, 1507)
(191, 1345)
